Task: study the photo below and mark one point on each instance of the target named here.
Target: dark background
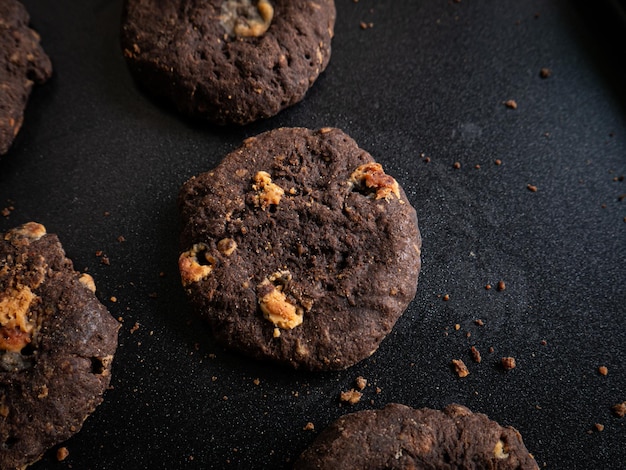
(420, 90)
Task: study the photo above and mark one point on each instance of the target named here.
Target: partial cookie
(399, 437)
(22, 63)
(299, 248)
(228, 61)
(56, 346)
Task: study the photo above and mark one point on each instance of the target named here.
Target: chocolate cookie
(299, 248)
(22, 63)
(399, 437)
(56, 346)
(229, 61)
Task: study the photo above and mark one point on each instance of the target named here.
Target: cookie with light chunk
(23, 63)
(228, 61)
(400, 437)
(299, 248)
(57, 343)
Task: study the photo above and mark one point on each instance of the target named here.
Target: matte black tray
(422, 88)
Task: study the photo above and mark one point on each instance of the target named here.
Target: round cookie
(298, 248)
(22, 63)
(399, 437)
(56, 346)
(228, 61)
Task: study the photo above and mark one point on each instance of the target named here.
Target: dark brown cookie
(22, 63)
(56, 346)
(229, 61)
(399, 437)
(299, 248)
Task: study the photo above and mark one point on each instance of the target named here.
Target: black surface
(97, 159)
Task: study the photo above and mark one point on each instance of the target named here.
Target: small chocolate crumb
(446, 297)
(498, 162)
(599, 427)
(491, 350)
(508, 363)
(501, 285)
(456, 165)
(488, 286)
(309, 427)
(460, 368)
(603, 370)
(532, 188)
(511, 104)
(479, 322)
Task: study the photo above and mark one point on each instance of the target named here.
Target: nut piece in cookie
(23, 63)
(417, 438)
(298, 248)
(228, 61)
(57, 343)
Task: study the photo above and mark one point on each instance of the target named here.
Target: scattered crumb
(475, 354)
(121, 239)
(309, 427)
(360, 382)
(62, 453)
(456, 165)
(501, 285)
(352, 396)
(619, 409)
(508, 363)
(511, 104)
(256, 381)
(532, 188)
(491, 350)
(134, 328)
(498, 162)
(460, 368)
(488, 286)
(543, 342)
(113, 299)
(446, 297)
(365, 25)
(457, 327)
(545, 72)
(603, 370)
(477, 166)
(479, 322)
(599, 427)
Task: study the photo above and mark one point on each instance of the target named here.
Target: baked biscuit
(299, 248)
(229, 61)
(56, 346)
(23, 63)
(400, 437)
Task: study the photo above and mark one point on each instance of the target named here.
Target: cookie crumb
(545, 72)
(134, 328)
(603, 370)
(445, 297)
(619, 409)
(309, 427)
(479, 322)
(456, 165)
(475, 355)
(532, 188)
(498, 162)
(352, 396)
(501, 285)
(599, 427)
(460, 368)
(508, 363)
(360, 382)
(256, 381)
(62, 453)
(511, 104)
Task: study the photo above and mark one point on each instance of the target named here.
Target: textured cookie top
(299, 248)
(399, 437)
(56, 345)
(22, 63)
(229, 61)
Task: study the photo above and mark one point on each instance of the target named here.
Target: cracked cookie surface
(57, 343)
(23, 63)
(400, 437)
(228, 61)
(293, 251)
